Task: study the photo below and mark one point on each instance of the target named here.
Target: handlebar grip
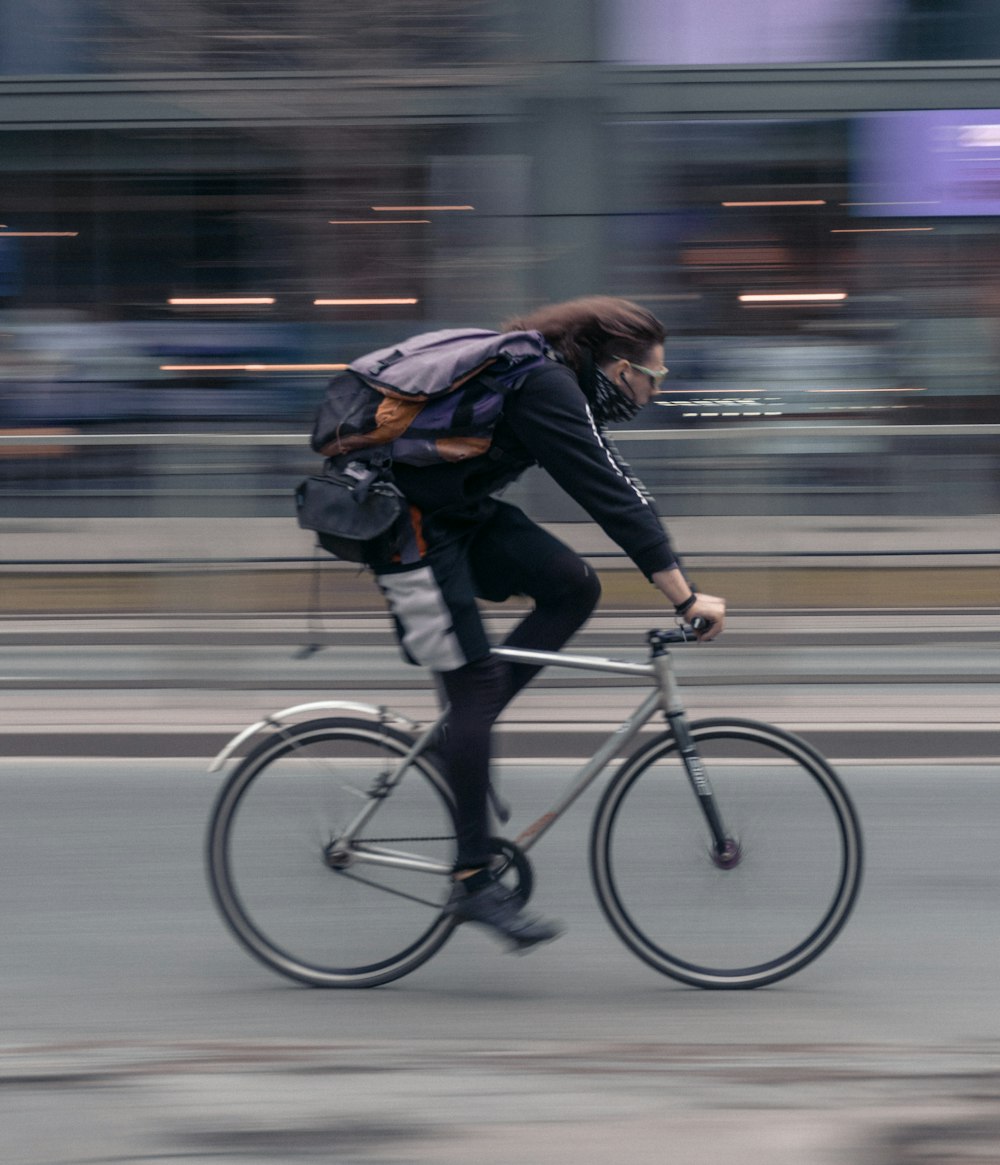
(700, 623)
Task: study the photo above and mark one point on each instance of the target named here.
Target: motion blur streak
(807, 192)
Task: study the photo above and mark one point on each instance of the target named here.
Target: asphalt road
(135, 1029)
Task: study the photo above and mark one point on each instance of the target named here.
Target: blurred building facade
(207, 205)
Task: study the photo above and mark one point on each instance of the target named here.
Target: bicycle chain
(389, 889)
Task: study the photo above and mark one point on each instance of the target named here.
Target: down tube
(622, 736)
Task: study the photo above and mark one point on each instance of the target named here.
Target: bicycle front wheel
(307, 906)
(750, 917)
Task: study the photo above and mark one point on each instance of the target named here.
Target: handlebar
(668, 637)
(664, 637)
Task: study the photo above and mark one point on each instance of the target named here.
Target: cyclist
(604, 362)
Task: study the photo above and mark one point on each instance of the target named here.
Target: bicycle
(726, 853)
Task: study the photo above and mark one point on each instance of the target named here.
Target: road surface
(135, 1029)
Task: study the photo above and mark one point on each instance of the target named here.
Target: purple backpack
(435, 397)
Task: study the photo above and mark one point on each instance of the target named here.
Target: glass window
(733, 32)
(787, 293)
(40, 37)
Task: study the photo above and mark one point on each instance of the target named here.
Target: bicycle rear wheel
(307, 911)
(780, 898)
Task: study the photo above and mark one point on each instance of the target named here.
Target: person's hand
(711, 608)
(675, 589)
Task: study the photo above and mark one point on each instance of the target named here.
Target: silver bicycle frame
(378, 855)
(665, 696)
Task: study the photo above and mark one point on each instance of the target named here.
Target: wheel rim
(755, 915)
(302, 908)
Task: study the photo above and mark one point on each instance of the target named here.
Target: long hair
(593, 330)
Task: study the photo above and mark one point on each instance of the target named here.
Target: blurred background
(209, 205)
(207, 209)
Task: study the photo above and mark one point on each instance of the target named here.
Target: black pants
(499, 554)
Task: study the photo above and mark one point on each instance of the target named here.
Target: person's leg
(509, 555)
(434, 607)
(518, 557)
(438, 623)
(476, 693)
(503, 553)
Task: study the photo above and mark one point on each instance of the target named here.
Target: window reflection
(730, 32)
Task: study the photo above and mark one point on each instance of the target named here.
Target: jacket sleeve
(549, 415)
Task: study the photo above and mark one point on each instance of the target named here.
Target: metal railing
(871, 471)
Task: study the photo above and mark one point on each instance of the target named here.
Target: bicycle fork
(725, 850)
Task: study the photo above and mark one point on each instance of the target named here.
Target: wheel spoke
(771, 901)
(283, 896)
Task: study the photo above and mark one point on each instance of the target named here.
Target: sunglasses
(656, 375)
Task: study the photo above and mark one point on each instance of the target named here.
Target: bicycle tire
(676, 907)
(269, 867)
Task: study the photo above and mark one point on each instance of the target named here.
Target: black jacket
(546, 422)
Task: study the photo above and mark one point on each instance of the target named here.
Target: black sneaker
(500, 909)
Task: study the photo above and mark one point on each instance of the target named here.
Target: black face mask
(611, 402)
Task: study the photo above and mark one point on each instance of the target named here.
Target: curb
(901, 744)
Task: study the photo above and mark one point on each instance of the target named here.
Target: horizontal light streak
(735, 257)
(6, 234)
(878, 230)
(220, 301)
(793, 297)
(714, 402)
(363, 302)
(781, 202)
(914, 202)
(665, 298)
(253, 367)
(382, 222)
(767, 414)
(259, 36)
(417, 209)
(866, 390)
